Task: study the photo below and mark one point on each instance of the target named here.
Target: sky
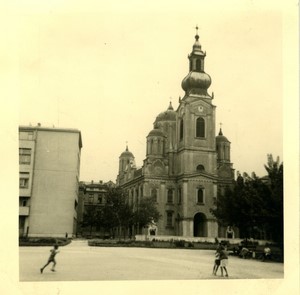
(111, 70)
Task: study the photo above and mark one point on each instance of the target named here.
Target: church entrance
(200, 225)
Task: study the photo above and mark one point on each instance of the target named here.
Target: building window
(100, 199)
(24, 180)
(170, 196)
(154, 194)
(181, 129)
(200, 196)
(179, 196)
(24, 156)
(200, 127)
(23, 202)
(198, 65)
(200, 168)
(169, 218)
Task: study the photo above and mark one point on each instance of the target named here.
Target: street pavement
(79, 262)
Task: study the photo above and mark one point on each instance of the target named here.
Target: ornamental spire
(197, 81)
(197, 45)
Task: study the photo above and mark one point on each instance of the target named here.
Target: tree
(116, 212)
(90, 217)
(146, 212)
(253, 204)
(275, 184)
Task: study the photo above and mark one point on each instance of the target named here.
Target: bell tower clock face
(200, 109)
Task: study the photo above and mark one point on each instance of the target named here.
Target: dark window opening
(200, 196)
(198, 65)
(181, 130)
(169, 218)
(170, 196)
(200, 127)
(200, 168)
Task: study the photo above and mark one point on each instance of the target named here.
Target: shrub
(190, 245)
(179, 243)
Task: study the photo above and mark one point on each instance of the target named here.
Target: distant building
(186, 164)
(92, 196)
(49, 165)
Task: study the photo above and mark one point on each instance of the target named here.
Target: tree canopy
(117, 213)
(146, 212)
(254, 204)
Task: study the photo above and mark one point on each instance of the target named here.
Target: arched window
(200, 127)
(198, 65)
(200, 168)
(169, 218)
(170, 196)
(181, 129)
(200, 196)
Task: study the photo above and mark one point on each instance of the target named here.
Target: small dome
(127, 154)
(198, 80)
(168, 115)
(156, 132)
(221, 137)
(197, 47)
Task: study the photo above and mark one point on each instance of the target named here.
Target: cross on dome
(197, 36)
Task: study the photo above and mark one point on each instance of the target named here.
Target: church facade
(186, 164)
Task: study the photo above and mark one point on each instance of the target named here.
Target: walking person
(217, 261)
(51, 258)
(223, 261)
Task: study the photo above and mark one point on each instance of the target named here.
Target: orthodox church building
(186, 164)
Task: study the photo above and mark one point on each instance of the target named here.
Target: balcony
(24, 211)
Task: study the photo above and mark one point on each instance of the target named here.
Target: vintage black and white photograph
(153, 147)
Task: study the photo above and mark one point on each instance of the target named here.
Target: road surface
(79, 262)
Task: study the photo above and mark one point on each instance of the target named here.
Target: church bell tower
(196, 118)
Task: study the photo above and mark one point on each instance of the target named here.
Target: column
(212, 228)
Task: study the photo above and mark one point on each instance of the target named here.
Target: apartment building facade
(49, 168)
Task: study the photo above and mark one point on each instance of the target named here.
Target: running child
(51, 258)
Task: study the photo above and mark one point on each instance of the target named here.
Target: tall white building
(49, 166)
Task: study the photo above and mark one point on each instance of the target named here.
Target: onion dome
(196, 80)
(221, 137)
(126, 153)
(168, 115)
